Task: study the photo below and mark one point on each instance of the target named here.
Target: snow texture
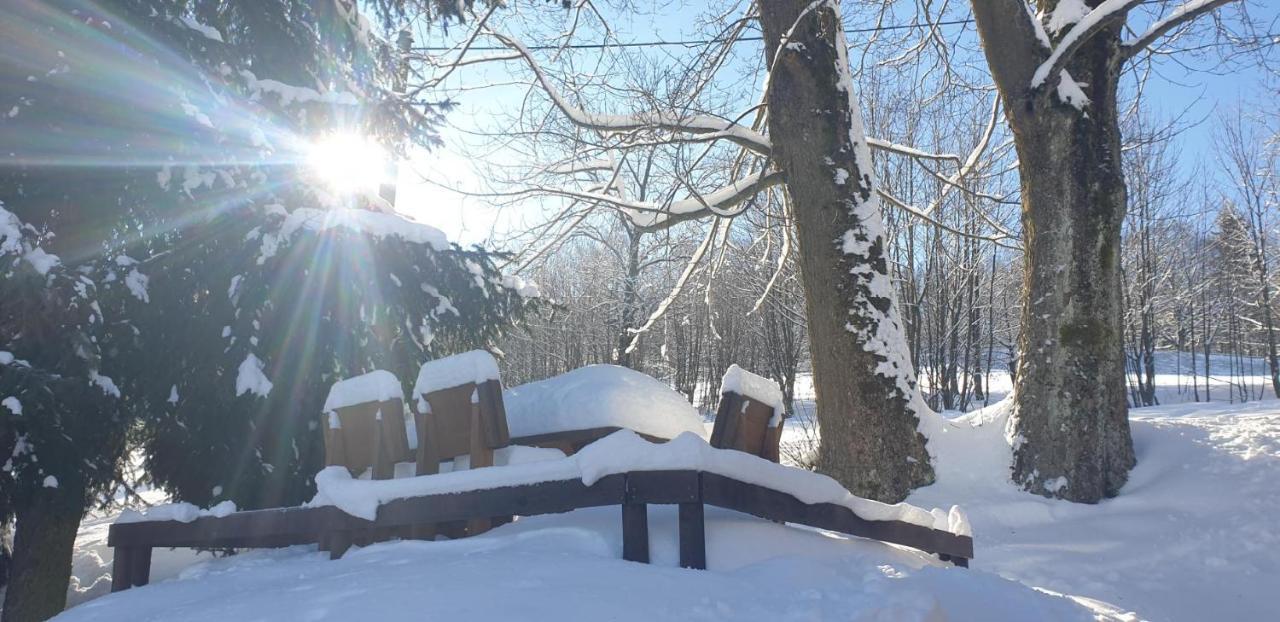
(1069, 92)
(475, 366)
(569, 567)
(375, 386)
(1067, 12)
(105, 383)
(364, 222)
(181, 512)
(50, 482)
(42, 261)
(758, 388)
(250, 379)
(12, 404)
(599, 396)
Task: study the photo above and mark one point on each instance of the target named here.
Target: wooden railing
(634, 491)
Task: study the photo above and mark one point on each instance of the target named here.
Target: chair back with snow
(364, 425)
(459, 411)
(749, 418)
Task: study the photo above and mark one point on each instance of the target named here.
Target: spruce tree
(171, 273)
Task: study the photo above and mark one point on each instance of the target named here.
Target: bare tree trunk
(868, 406)
(1070, 412)
(41, 567)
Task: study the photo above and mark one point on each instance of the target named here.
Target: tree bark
(1070, 416)
(868, 406)
(42, 548)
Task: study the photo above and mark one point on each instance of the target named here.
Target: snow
(105, 383)
(1082, 28)
(599, 396)
(758, 388)
(10, 231)
(181, 512)
(375, 386)
(620, 452)
(569, 566)
(476, 366)
(50, 482)
(1066, 13)
(12, 404)
(360, 221)
(289, 94)
(209, 32)
(42, 261)
(137, 284)
(1069, 92)
(250, 379)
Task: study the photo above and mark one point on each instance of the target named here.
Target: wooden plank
(258, 528)
(693, 536)
(121, 565)
(663, 487)
(140, 566)
(775, 505)
(635, 532)
(575, 440)
(541, 498)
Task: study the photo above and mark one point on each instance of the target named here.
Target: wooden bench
(632, 491)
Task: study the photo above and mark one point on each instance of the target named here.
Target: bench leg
(339, 542)
(635, 532)
(693, 537)
(120, 568)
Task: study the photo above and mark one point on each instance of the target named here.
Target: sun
(348, 162)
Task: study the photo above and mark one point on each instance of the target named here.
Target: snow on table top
(622, 452)
(375, 386)
(758, 388)
(599, 396)
(451, 371)
(181, 512)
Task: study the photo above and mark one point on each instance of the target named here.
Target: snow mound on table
(181, 512)
(621, 452)
(475, 366)
(598, 396)
(375, 386)
(759, 388)
(568, 567)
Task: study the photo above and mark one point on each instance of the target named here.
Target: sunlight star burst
(348, 162)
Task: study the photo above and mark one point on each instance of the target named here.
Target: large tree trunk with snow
(1071, 421)
(868, 406)
(42, 546)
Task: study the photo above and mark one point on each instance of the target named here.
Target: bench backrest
(749, 417)
(367, 435)
(466, 420)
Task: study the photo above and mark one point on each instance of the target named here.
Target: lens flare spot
(348, 163)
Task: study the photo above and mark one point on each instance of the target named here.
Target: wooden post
(339, 542)
(635, 532)
(693, 536)
(120, 568)
(140, 560)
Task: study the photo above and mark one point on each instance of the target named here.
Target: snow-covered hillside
(1192, 537)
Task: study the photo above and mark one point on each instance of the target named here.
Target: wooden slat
(774, 505)
(693, 536)
(663, 487)
(258, 528)
(635, 532)
(543, 498)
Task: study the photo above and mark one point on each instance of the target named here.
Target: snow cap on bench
(756, 388)
(476, 366)
(375, 386)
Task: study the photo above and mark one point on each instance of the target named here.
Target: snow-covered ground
(1191, 537)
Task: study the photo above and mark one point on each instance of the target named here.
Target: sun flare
(348, 162)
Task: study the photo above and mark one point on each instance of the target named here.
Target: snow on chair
(460, 414)
(364, 425)
(749, 418)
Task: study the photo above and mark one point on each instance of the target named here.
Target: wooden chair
(366, 435)
(464, 419)
(364, 429)
(749, 418)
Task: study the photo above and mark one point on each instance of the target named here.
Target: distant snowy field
(1192, 537)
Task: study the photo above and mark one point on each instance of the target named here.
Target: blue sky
(1190, 93)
